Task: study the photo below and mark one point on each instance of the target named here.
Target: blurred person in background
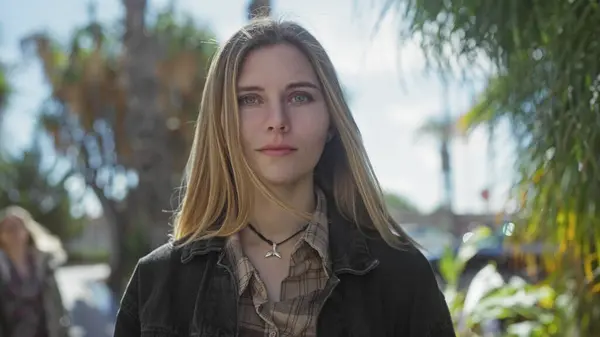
(282, 229)
(30, 302)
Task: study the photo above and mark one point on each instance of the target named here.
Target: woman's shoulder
(156, 271)
(402, 261)
(178, 252)
(412, 287)
(160, 255)
(158, 261)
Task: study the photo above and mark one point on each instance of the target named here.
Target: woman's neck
(277, 223)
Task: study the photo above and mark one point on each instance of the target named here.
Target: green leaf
(448, 268)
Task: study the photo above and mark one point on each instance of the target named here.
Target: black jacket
(191, 291)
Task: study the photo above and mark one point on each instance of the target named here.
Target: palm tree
(547, 85)
(25, 183)
(124, 109)
(442, 131)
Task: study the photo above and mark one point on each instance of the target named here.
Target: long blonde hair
(219, 184)
(39, 237)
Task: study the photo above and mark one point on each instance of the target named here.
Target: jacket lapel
(215, 308)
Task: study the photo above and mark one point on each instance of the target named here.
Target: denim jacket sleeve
(128, 320)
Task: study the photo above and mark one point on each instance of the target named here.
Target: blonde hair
(219, 184)
(39, 237)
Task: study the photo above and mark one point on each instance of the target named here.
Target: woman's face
(13, 233)
(283, 114)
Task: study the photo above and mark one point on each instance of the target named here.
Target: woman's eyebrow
(293, 85)
(250, 88)
(302, 84)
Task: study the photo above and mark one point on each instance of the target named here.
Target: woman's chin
(285, 180)
(279, 182)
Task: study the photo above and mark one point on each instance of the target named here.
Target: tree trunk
(118, 236)
(145, 126)
(145, 123)
(449, 223)
(446, 175)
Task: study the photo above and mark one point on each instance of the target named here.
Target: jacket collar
(348, 246)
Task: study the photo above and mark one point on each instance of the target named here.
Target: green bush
(517, 307)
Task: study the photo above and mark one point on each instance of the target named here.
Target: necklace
(273, 252)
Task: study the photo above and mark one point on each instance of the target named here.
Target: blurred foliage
(122, 112)
(492, 307)
(546, 84)
(400, 203)
(5, 88)
(437, 128)
(24, 182)
(86, 75)
(92, 257)
(5, 91)
(39, 190)
(442, 130)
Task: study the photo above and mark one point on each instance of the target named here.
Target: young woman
(30, 303)
(282, 230)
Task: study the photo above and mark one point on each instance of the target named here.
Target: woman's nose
(278, 119)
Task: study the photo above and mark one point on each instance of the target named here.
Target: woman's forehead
(11, 221)
(277, 63)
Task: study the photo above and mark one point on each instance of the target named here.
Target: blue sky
(391, 94)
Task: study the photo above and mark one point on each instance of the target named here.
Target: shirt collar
(316, 236)
(317, 232)
(347, 245)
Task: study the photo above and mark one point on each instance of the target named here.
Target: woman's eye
(301, 98)
(248, 100)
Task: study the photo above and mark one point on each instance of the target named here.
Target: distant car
(498, 250)
(433, 240)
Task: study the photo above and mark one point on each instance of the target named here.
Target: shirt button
(272, 334)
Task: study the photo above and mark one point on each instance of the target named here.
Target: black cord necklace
(273, 251)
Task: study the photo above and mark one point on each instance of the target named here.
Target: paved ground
(88, 300)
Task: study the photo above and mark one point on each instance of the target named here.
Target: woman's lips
(277, 151)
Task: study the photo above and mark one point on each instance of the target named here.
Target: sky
(391, 93)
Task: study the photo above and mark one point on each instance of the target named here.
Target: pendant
(273, 252)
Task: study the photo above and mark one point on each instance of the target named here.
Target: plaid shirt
(302, 291)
